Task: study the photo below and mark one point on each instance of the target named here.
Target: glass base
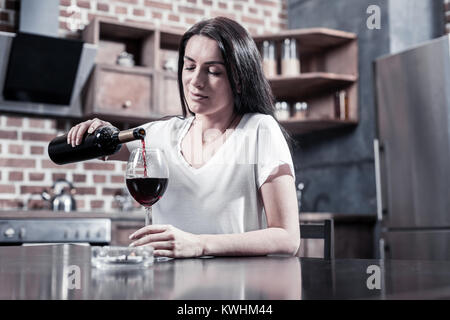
(121, 258)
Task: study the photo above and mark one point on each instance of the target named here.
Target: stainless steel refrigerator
(412, 152)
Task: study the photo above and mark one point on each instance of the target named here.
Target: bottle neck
(130, 135)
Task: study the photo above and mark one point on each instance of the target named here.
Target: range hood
(41, 73)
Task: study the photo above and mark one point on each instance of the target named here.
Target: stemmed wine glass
(147, 177)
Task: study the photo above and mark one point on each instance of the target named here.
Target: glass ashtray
(122, 258)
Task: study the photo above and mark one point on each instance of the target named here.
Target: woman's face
(205, 80)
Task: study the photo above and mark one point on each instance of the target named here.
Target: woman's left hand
(168, 241)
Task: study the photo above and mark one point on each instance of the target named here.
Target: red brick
(64, 13)
(237, 7)
(280, 25)
(65, 3)
(97, 204)
(98, 166)
(37, 123)
(138, 12)
(223, 5)
(173, 17)
(85, 190)
(34, 176)
(15, 176)
(36, 150)
(128, 1)
(99, 178)
(282, 15)
(111, 191)
(32, 189)
(7, 188)
(117, 179)
(102, 7)
(14, 122)
(252, 20)
(253, 10)
(83, 4)
(207, 2)
(79, 178)
(10, 204)
(18, 163)
(35, 136)
(15, 149)
(80, 204)
(6, 134)
(48, 164)
(190, 20)
(121, 10)
(267, 13)
(191, 10)
(156, 15)
(265, 3)
(223, 14)
(56, 176)
(192, 1)
(157, 4)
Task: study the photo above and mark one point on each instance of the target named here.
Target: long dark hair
(250, 88)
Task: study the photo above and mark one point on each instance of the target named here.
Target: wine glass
(147, 177)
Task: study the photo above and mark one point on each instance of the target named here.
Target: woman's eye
(214, 72)
(189, 68)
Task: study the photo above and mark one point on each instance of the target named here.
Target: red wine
(104, 141)
(144, 156)
(147, 191)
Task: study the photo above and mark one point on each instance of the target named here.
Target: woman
(231, 189)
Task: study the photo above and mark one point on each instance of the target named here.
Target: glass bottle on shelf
(269, 59)
(282, 110)
(341, 107)
(290, 63)
(301, 110)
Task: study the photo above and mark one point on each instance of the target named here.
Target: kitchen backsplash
(257, 15)
(26, 170)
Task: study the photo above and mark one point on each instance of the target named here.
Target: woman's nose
(197, 79)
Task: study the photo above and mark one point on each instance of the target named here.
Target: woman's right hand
(76, 132)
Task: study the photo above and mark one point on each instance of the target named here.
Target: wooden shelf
(328, 65)
(297, 127)
(308, 84)
(311, 40)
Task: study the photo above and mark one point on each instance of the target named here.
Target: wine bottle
(104, 141)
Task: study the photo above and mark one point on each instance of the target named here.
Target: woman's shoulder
(260, 120)
(172, 123)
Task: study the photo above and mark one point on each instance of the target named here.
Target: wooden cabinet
(328, 67)
(140, 91)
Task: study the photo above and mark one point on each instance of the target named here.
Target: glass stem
(148, 215)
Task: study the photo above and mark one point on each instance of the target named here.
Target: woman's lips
(197, 97)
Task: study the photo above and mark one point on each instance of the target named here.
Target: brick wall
(24, 163)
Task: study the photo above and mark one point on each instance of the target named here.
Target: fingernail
(131, 244)
(78, 142)
(131, 236)
(90, 130)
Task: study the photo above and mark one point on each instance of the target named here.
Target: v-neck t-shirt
(222, 196)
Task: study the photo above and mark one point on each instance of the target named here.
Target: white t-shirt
(221, 196)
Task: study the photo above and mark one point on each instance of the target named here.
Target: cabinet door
(121, 93)
(169, 97)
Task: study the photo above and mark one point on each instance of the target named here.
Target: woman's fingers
(154, 228)
(76, 133)
(164, 253)
(157, 238)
